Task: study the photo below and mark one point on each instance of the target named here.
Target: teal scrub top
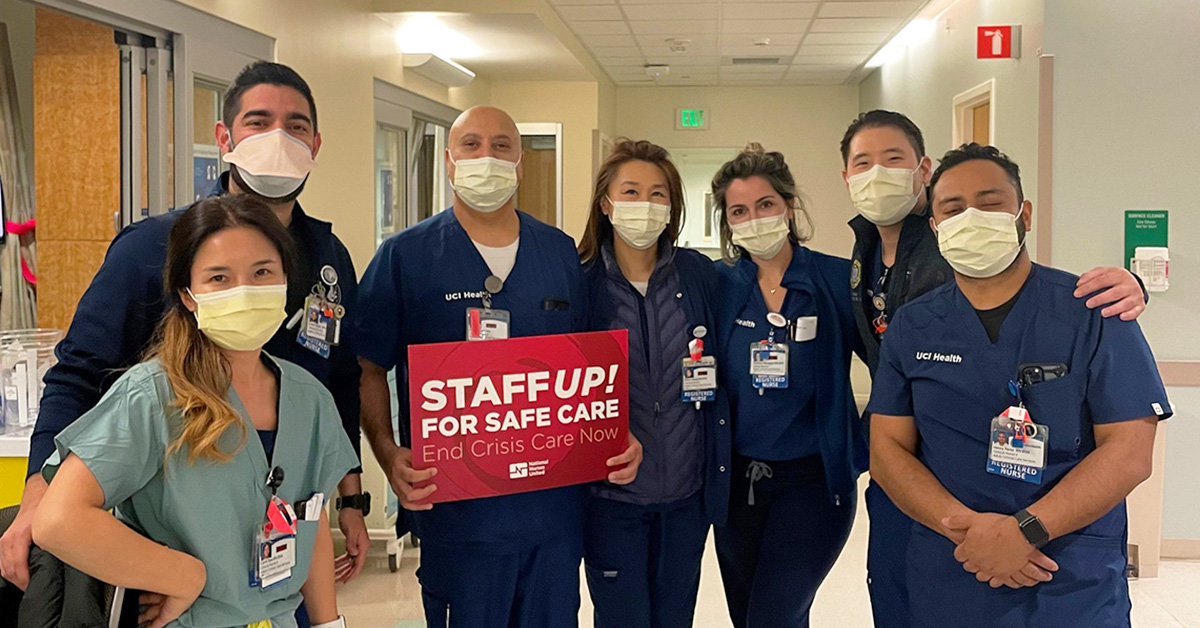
(207, 509)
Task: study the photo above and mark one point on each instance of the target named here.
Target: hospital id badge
(320, 329)
(275, 556)
(769, 365)
(699, 379)
(487, 324)
(1017, 447)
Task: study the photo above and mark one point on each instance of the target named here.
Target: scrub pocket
(1058, 404)
(1089, 588)
(942, 594)
(306, 538)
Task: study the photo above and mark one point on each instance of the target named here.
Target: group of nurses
(643, 542)
(1011, 421)
(208, 409)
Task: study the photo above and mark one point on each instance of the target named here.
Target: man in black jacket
(896, 259)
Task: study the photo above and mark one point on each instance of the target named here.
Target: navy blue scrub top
(781, 424)
(417, 290)
(939, 366)
(116, 317)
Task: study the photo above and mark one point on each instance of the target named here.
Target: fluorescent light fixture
(438, 68)
(888, 54)
(914, 32)
(425, 33)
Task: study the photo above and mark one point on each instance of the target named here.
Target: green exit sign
(691, 119)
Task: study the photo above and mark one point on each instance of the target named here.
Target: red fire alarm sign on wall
(998, 42)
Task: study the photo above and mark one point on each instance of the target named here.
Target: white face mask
(979, 244)
(485, 184)
(883, 195)
(272, 164)
(762, 237)
(639, 223)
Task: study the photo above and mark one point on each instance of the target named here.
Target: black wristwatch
(358, 502)
(1032, 528)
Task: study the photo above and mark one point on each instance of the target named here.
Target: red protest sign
(510, 416)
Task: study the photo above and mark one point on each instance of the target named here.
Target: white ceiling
(821, 42)
(496, 46)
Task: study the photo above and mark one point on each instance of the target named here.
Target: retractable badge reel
(321, 319)
(769, 358)
(699, 371)
(1017, 447)
(275, 540)
(486, 323)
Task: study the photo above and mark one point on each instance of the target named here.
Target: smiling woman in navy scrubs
(643, 542)
(789, 333)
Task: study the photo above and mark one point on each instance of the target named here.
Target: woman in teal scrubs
(205, 443)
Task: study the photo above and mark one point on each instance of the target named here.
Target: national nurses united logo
(855, 274)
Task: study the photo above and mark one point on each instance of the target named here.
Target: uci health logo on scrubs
(458, 296)
(933, 356)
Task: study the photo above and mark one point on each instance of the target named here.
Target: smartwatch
(1035, 533)
(358, 502)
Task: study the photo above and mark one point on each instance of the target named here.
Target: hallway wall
(804, 123)
(922, 84)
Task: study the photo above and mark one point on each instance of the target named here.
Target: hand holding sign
(631, 458)
(403, 476)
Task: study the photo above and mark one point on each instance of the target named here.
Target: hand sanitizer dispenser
(1152, 264)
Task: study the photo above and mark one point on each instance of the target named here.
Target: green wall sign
(1144, 228)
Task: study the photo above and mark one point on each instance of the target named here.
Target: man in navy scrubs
(1011, 421)
(269, 119)
(501, 561)
(896, 260)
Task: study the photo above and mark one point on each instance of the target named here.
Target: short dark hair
(972, 152)
(264, 73)
(878, 118)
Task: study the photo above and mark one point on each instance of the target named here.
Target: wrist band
(340, 622)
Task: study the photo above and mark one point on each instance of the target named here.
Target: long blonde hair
(198, 371)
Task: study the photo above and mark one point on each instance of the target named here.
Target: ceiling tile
(693, 50)
(764, 26)
(673, 27)
(615, 51)
(868, 9)
(822, 69)
(813, 82)
(593, 12)
(845, 38)
(671, 12)
(851, 49)
(683, 61)
(758, 51)
(593, 41)
(855, 25)
(581, 2)
(599, 28)
(693, 40)
(763, 70)
(632, 2)
(848, 60)
(621, 62)
(768, 10)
